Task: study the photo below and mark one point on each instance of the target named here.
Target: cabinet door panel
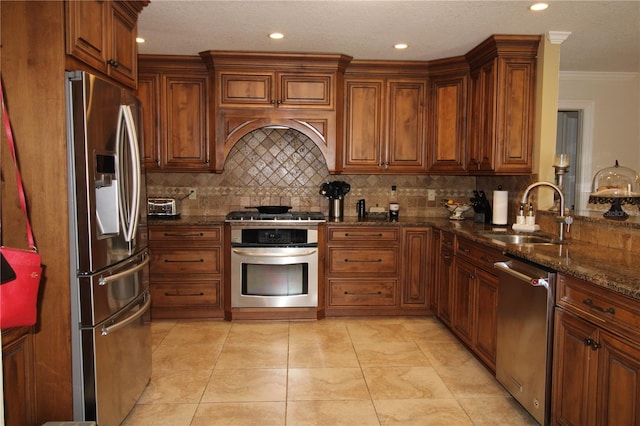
(416, 270)
(618, 399)
(574, 371)
(305, 91)
(445, 286)
(149, 94)
(487, 305)
(447, 124)
(405, 138)
(363, 139)
(186, 133)
(123, 47)
(87, 39)
(515, 116)
(246, 89)
(463, 300)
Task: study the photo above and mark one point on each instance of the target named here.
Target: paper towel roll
(500, 207)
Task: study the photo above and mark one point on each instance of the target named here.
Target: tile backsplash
(272, 166)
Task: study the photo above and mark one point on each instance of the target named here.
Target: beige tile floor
(371, 371)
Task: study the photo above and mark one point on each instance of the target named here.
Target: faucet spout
(562, 219)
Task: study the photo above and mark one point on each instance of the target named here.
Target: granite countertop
(614, 269)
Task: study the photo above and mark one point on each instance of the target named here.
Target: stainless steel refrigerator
(110, 300)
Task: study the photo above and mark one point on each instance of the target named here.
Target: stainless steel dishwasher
(526, 298)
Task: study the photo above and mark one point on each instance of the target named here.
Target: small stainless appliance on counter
(166, 208)
(110, 300)
(526, 299)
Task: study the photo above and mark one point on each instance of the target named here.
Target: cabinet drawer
(359, 293)
(599, 305)
(478, 254)
(363, 261)
(190, 294)
(189, 235)
(368, 234)
(187, 261)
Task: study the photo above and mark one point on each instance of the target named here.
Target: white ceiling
(605, 35)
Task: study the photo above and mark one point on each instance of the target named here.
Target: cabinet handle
(363, 261)
(486, 259)
(183, 261)
(446, 257)
(113, 63)
(472, 277)
(166, 293)
(589, 303)
(466, 250)
(177, 234)
(346, 234)
(447, 242)
(590, 342)
(373, 293)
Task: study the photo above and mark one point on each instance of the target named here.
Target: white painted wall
(614, 100)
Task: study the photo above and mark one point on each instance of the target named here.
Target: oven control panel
(265, 237)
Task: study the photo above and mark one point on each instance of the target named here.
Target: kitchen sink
(520, 239)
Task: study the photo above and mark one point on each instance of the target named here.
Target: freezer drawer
(117, 363)
(105, 293)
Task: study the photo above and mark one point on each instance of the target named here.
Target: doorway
(575, 137)
(568, 142)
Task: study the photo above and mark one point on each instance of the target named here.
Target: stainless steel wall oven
(274, 260)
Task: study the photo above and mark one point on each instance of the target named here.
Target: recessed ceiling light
(276, 36)
(400, 46)
(140, 40)
(536, 7)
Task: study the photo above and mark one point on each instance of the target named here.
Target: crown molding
(597, 75)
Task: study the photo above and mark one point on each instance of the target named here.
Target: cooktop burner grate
(265, 217)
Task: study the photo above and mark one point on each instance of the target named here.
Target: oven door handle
(272, 254)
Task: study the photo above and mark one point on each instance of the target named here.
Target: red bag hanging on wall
(20, 270)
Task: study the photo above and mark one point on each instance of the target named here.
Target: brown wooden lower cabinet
(473, 293)
(18, 377)
(186, 271)
(377, 270)
(596, 368)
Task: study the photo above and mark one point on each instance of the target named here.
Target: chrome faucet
(562, 219)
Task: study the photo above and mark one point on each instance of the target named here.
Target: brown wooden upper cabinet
(501, 105)
(447, 125)
(385, 119)
(175, 113)
(102, 34)
(256, 89)
(240, 89)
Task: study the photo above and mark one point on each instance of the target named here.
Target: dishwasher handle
(534, 281)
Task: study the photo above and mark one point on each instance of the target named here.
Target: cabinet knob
(113, 63)
(590, 342)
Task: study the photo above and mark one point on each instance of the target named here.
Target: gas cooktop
(298, 217)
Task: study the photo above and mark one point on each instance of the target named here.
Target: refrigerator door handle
(128, 320)
(130, 223)
(106, 280)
